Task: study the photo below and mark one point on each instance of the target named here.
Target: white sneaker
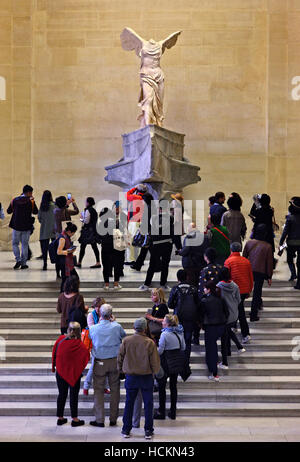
(167, 288)
(242, 350)
(126, 435)
(214, 378)
(118, 287)
(144, 288)
(106, 288)
(222, 366)
(246, 339)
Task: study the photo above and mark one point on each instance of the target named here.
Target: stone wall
(72, 91)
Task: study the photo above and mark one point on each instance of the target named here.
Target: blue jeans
(133, 384)
(89, 376)
(23, 237)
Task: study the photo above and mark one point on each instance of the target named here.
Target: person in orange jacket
(241, 273)
(135, 214)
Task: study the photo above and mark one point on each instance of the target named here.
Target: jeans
(163, 253)
(23, 237)
(162, 383)
(89, 376)
(137, 410)
(211, 335)
(133, 384)
(259, 279)
(242, 317)
(95, 249)
(63, 388)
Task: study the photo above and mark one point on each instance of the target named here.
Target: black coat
(213, 311)
(22, 209)
(193, 255)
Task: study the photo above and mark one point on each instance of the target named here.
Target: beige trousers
(106, 369)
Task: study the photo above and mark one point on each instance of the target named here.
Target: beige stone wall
(72, 91)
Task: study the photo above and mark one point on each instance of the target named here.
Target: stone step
(258, 332)
(250, 356)
(235, 369)
(225, 408)
(228, 383)
(53, 322)
(185, 395)
(128, 311)
(95, 281)
(254, 345)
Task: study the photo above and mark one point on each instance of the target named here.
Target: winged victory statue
(151, 75)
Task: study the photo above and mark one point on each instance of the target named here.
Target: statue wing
(131, 40)
(170, 41)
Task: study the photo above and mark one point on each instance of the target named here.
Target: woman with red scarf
(65, 253)
(69, 359)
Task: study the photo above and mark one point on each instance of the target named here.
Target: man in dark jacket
(22, 208)
(184, 301)
(194, 245)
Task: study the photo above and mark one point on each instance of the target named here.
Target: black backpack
(187, 307)
(53, 246)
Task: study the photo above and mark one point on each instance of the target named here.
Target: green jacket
(219, 242)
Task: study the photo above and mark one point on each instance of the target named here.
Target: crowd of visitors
(220, 271)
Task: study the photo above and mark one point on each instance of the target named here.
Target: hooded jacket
(230, 293)
(169, 341)
(192, 253)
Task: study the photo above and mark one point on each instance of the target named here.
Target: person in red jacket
(135, 213)
(69, 359)
(241, 273)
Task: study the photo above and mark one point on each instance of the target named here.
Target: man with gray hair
(106, 337)
(139, 360)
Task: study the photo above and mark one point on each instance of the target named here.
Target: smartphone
(69, 196)
(72, 248)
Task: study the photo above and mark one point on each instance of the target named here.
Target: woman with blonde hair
(69, 359)
(157, 313)
(172, 338)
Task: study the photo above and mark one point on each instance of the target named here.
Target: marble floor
(206, 429)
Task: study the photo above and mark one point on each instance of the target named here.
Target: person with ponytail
(65, 253)
(214, 314)
(172, 338)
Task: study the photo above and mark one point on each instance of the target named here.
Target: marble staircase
(264, 381)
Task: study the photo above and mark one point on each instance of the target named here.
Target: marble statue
(151, 74)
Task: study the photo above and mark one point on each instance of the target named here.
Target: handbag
(120, 240)
(154, 327)
(141, 240)
(175, 360)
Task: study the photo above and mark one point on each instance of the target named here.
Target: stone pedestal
(153, 155)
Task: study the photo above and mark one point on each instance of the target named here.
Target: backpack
(187, 308)
(53, 246)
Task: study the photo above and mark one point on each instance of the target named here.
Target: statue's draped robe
(152, 85)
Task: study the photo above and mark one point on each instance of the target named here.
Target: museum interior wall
(71, 91)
